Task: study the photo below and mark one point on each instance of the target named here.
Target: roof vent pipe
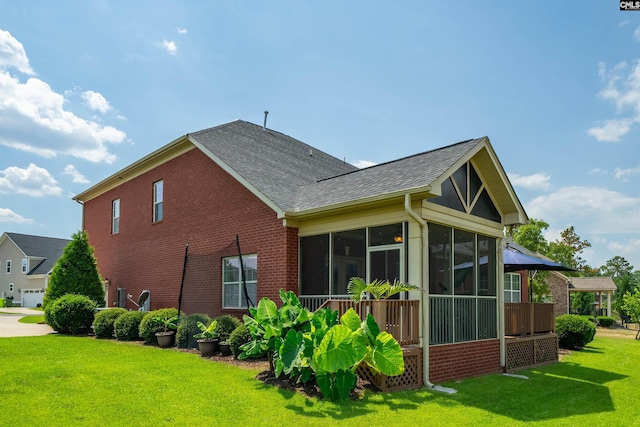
(264, 126)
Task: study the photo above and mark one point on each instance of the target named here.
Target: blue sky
(89, 87)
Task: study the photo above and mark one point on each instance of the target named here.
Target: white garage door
(32, 297)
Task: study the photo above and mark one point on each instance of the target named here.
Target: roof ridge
(405, 158)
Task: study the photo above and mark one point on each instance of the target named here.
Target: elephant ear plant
(378, 289)
(302, 345)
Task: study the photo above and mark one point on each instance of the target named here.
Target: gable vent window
(8, 266)
(24, 265)
(157, 200)
(464, 191)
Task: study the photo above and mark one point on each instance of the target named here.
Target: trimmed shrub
(574, 332)
(104, 320)
(71, 314)
(188, 327)
(151, 324)
(226, 325)
(239, 336)
(606, 321)
(127, 326)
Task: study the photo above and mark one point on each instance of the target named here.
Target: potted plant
(167, 335)
(225, 348)
(207, 338)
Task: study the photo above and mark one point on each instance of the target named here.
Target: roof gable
(49, 249)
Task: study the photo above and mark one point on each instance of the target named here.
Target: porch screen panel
(441, 321)
(314, 268)
(464, 250)
(487, 318)
(465, 319)
(487, 266)
(440, 282)
(349, 258)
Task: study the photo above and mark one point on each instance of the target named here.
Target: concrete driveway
(10, 327)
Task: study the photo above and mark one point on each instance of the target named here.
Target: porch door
(386, 263)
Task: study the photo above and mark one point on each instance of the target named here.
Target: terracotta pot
(165, 339)
(208, 346)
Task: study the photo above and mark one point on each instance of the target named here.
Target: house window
(512, 287)
(233, 295)
(8, 266)
(24, 265)
(157, 201)
(462, 285)
(115, 217)
(10, 287)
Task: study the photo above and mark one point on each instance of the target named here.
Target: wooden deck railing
(528, 318)
(398, 317)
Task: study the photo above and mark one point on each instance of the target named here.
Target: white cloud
(538, 181)
(33, 181)
(7, 215)
(33, 118)
(364, 164)
(169, 46)
(623, 174)
(611, 130)
(622, 88)
(636, 34)
(12, 54)
(181, 30)
(95, 101)
(597, 210)
(76, 176)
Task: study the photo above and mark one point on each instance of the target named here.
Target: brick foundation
(456, 361)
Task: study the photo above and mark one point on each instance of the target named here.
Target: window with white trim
(24, 265)
(157, 200)
(10, 287)
(8, 267)
(115, 216)
(233, 295)
(512, 287)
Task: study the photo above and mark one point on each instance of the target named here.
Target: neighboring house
(602, 287)
(307, 222)
(26, 263)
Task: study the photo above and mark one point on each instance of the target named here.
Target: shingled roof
(591, 284)
(299, 177)
(48, 248)
(296, 179)
(273, 163)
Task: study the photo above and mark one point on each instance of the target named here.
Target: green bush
(104, 320)
(226, 325)
(70, 314)
(151, 324)
(127, 326)
(574, 332)
(606, 321)
(188, 327)
(239, 336)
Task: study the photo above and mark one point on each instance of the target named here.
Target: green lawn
(61, 381)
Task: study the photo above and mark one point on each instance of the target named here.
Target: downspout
(424, 293)
(503, 354)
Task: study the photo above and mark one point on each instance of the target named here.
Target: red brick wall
(204, 207)
(455, 361)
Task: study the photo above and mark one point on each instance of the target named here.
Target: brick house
(307, 221)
